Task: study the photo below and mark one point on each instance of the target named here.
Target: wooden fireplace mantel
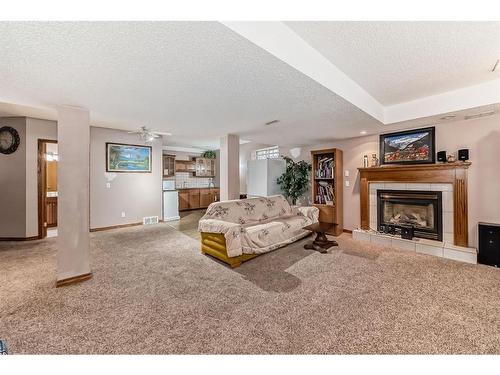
(447, 173)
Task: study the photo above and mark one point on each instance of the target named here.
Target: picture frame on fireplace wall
(416, 146)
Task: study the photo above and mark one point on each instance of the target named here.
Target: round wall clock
(9, 140)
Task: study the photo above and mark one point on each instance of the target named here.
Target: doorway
(48, 158)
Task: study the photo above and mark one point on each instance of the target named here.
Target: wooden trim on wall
(99, 229)
(347, 231)
(19, 238)
(446, 173)
(73, 280)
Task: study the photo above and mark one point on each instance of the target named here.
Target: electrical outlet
(123, 213)
(347, 183)
(108, 185)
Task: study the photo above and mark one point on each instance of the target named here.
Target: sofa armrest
(232, 233)
(310, 212)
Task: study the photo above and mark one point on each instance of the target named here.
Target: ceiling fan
(148, 135)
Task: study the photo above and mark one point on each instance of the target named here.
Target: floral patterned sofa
(238, 230)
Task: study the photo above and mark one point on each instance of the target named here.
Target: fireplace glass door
(420, 209)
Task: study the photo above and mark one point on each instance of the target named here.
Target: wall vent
(149, 220)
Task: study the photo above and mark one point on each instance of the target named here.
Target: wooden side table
(321, 243)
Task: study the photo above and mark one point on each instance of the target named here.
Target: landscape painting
(128, 158)
(408, 147)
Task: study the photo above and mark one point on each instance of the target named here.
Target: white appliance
(170, 201)
(262, 175)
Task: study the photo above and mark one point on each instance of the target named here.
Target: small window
(267, 153)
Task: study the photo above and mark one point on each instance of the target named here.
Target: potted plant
(208, 154)
(295, 180)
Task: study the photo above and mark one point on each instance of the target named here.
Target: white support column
(229, 167)
(73, 135)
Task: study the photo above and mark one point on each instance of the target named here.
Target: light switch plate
(346, 173)
(347, 183)
(108, 185)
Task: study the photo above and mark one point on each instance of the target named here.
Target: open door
(47, 186)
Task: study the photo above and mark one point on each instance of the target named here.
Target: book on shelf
(324, 194)
(325, 167)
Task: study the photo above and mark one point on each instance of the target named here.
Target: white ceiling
(402, 61)
(201, 80)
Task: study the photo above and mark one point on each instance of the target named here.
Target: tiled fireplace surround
(445, 249)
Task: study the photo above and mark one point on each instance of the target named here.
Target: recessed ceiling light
(478, 115)
(362, 132)
(272, 122)
(448, 117)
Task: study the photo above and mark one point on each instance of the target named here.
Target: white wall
(12, 183)
(19, 177)
(246, 151)
(136, 194)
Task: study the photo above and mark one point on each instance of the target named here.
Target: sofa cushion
(261, 238)
(249, 211)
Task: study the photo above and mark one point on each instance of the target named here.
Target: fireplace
(421, 210)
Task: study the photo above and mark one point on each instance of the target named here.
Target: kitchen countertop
(192, 188)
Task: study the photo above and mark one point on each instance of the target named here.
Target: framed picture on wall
(127, 158)
(408, 147)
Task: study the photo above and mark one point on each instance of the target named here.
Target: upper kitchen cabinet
(168, 165)
(185, 166)
(205, 167)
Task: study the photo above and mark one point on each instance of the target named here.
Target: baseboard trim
(73, 280)
(19, 238)
(99, 229)
(347, 231)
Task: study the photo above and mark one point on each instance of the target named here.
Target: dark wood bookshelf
(327, 187)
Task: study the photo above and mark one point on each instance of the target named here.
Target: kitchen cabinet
(183, 200)
(205, 167)
(168, 165)
(192, 199)
(185, 166)
(206, 197)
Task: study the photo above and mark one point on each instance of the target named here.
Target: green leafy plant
(295, 180)
(208, 154)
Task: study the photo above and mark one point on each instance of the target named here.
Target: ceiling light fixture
(496, 65)
(272, 122)
(148, 135)
(478, 115)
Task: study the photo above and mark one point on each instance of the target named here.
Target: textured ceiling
(200, 80)
(401, 61)
(197, 80)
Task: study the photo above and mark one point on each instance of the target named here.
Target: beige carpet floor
(153, 292)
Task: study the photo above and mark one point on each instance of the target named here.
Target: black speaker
(441, 156)
(463, 154)
(489, 244)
